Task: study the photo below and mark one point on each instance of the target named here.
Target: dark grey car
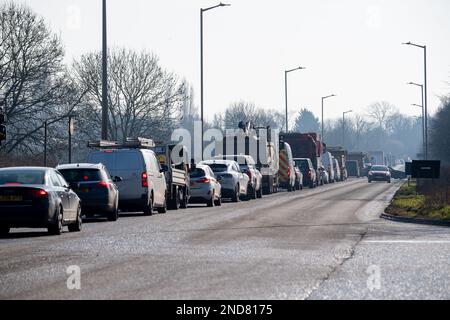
(95, 187)
(33, 197)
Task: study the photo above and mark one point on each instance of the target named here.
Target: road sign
(408, 168)
(426, 169)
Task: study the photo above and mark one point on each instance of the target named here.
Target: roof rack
(130, 143)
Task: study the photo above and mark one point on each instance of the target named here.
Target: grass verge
(408, 203)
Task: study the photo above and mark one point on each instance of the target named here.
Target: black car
(309, 173)
(95, 187)
(37, 198)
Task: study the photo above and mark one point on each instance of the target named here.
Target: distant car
(32, 197)
(248, 166)
(324, 178)
(379, 173)
(298, 178)
(143, 185)
(234, 183)
(309, 173)
(286, 171)
(205, 187)
(95, 187)
(337, 171)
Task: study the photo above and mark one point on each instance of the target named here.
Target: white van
(327, 162)
(143, 185)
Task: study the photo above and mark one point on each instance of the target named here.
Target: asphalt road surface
(326, 243)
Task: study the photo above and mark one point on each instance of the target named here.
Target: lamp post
(323, 98)
(45, 143)
(343, 126)
(286, 92)
(424, 95)
(202, 10)
(423, 114)
(104, 76)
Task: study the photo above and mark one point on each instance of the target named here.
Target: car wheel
(389, 181)
(4, 230)
(163, 209)
(237, 193)
(56, 228)
(218, 202)
(114, 215)
(211, 202)
(175, 202)
(312, 185)
(184, 199)
(77, 225)
(251, 193)
(370, 181)
(148, 209)
(259, 193)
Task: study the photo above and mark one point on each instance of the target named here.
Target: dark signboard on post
(408, 168)
(426, 169)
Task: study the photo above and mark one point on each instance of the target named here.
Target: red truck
(306, 145)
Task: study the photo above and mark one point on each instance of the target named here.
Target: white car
(205, 188)
(234, 182)
(248, 166)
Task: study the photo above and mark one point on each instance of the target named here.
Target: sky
(351, 48)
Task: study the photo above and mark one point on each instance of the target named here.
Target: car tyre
(218, 202)
(259, 193)
(184, 200)
(148, 209)
(163, 209)
(114, 215)
(211, 202)
(56, 228)
(236, 196)
(77, 225)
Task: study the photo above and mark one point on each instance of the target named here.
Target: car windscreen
(34, 177)
(81, 175)
(302, 164)
(216, 167)
(379, 168)
(197, 173)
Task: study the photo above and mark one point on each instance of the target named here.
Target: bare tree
(380, 112)
(34, 82)
(144, 100)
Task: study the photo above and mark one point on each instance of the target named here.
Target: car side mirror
(117, 179)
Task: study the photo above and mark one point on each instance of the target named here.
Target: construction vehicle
(262, 143)
(176, 168)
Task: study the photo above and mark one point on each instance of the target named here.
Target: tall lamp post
(343, 126)
(202, 10)
(425, 95)
(423, 124)
(323, 98)
(423, 114)
(286, 92)
(104, 76)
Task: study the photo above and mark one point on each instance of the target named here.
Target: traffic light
(2, 126)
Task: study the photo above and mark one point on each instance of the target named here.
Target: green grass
(407, 203)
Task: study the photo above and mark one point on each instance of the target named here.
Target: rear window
(302, 164)
(197, 173)
(218, 167)
(36, 177)
(118, 160)
(80, 175)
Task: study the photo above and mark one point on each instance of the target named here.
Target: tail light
(249, 173)
(309, 174)
(204, 180)
(40, 193)
(144, 178)
(289, 172)
(103, 184)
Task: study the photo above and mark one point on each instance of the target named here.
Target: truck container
(376, 158)
(361, 158)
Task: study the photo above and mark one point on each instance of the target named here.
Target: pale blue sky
(350, 47)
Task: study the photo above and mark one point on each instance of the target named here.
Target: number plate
(11, 198)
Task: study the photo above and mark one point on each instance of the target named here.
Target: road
(326, 243)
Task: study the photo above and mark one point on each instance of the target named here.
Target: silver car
(234, 182)
(205, 188)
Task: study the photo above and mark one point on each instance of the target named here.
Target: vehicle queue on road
(134, 177)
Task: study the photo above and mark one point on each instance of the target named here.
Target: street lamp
(286, 92)
(201, 61)
(425, 95)
(323, 98)
(423, 114)
(343, 126)
(104, 76)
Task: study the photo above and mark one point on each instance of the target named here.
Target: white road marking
(408, 241)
